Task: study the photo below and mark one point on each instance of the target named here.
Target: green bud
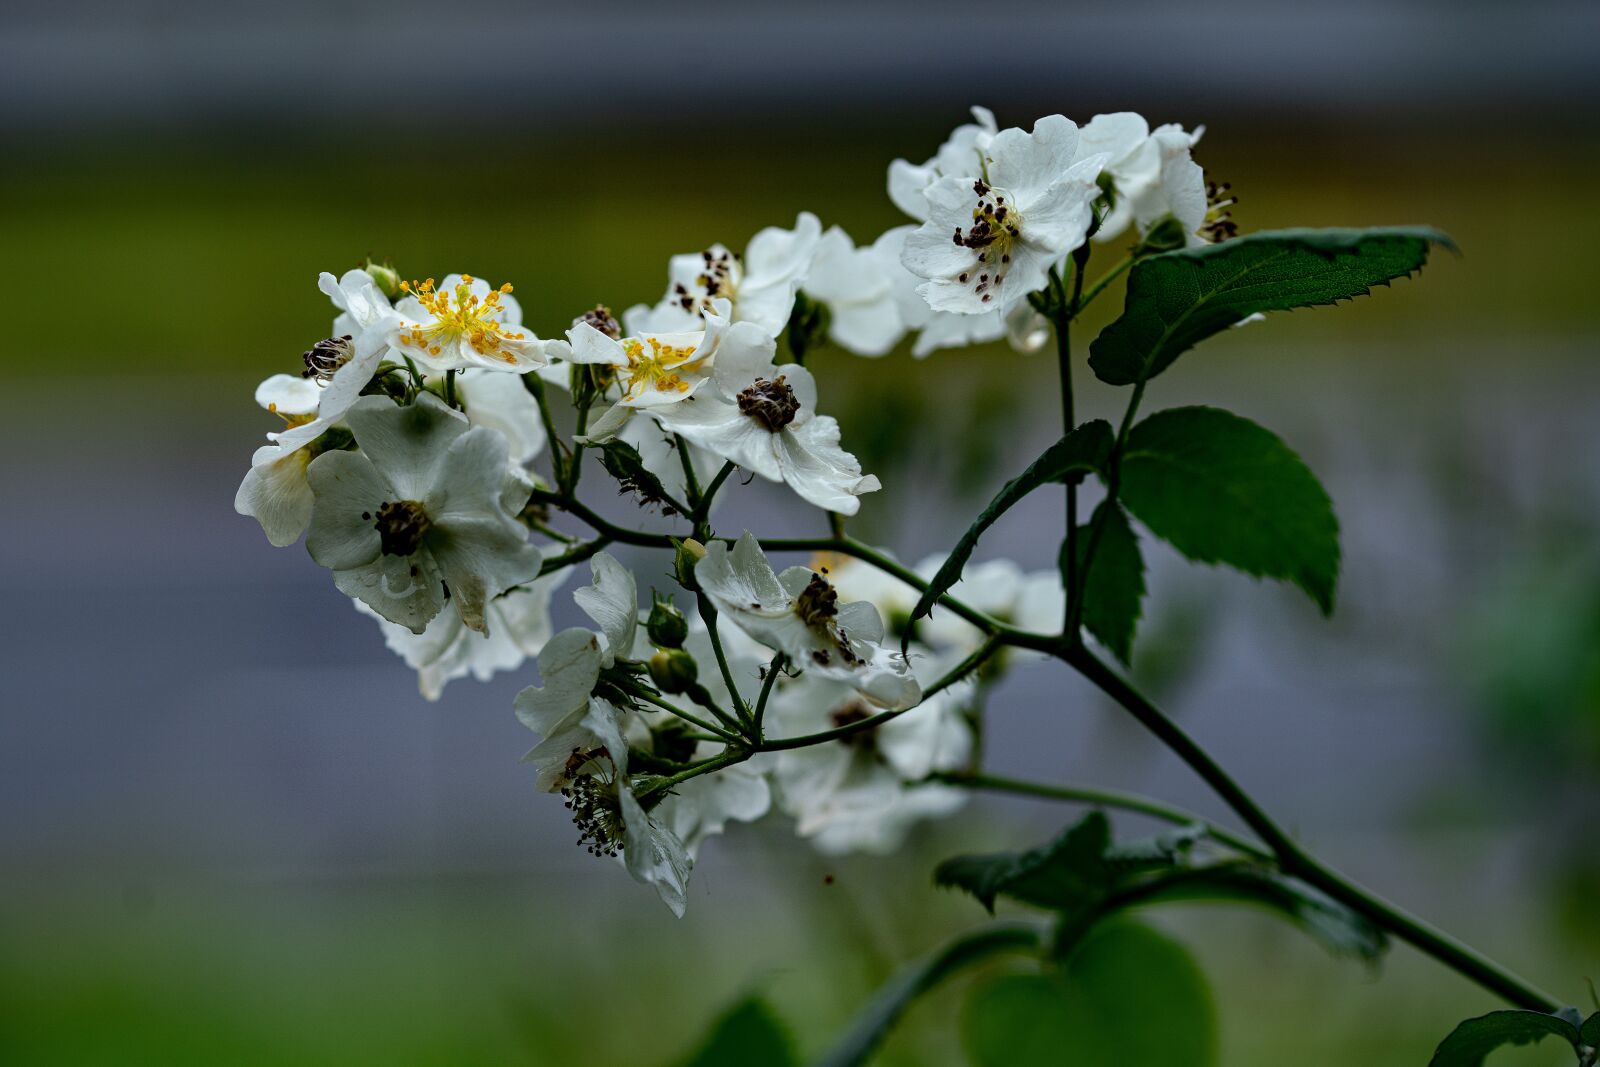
(666, 626)
(1165, 236)
(689, 553)
(673, 670)
(386, 277)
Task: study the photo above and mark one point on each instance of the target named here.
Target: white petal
(347, 492)
(654, 856)
(612, 602)
(276, 494)
(289, 394)
(814, 466)
(501, 402)
(569, 666)
(406, 590)
(1029, 163)
(406, 443)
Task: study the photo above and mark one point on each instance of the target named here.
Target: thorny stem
(1289, 855)
(1297, 861)
(535, 385)
(774, 669)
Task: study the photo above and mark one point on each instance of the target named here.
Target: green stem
(874, 1023)
(450, 388)
(1103, 798)
(708, 615)
(703, 509)
(535, 386)
(576, 554)
(1097, 530)
(726, 758)
(1296, 861)
(1104, 280)
(724, 735)
(691, 484)
(774, 669)
(871, 722)
(575, 464)
(1063, 327)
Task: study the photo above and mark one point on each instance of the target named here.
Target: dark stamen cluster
(818, 606)
(1219, 224)
(600, 318)
(716, 280)
(770, 402)
(327, 356)
(993, 229)
(401, 526)
(593, 803)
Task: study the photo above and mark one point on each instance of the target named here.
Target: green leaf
(1223, 490)
(1334, 926)
(1113, 588)
(1127, 997)
(1178, 299)
(622, 461)
(748, 1033)
(1083, 451)
(874, 1023)
(1590, 1031)
(1068, 873)
(1472, 1041)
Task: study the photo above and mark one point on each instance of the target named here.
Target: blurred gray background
(234, 832)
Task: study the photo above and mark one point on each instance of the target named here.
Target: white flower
(799, 614)
(518, 622)
(658, 370)
(584, 756)
(989, 241)
(865, 791)
(1023, 327)
(1152, 174)
(427, 503)
(762, 417)
(466, 323)
(274, 492)
(760, 287)
(961, 155)
(857, 287)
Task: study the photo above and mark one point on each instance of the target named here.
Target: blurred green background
(233, 833)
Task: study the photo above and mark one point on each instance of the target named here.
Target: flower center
(600, 318)
(327, 356)
(1219, 224)
(460, 314)
(770, 402)
(719, 278)
(657, 368)
(401, 526)
(994, 232)
(591, 795)
(818, 607)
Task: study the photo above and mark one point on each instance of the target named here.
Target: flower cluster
(432, 440)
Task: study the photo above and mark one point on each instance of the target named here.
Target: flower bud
(689, 553)
(666, 626)
(673, 670)
(386, 278)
